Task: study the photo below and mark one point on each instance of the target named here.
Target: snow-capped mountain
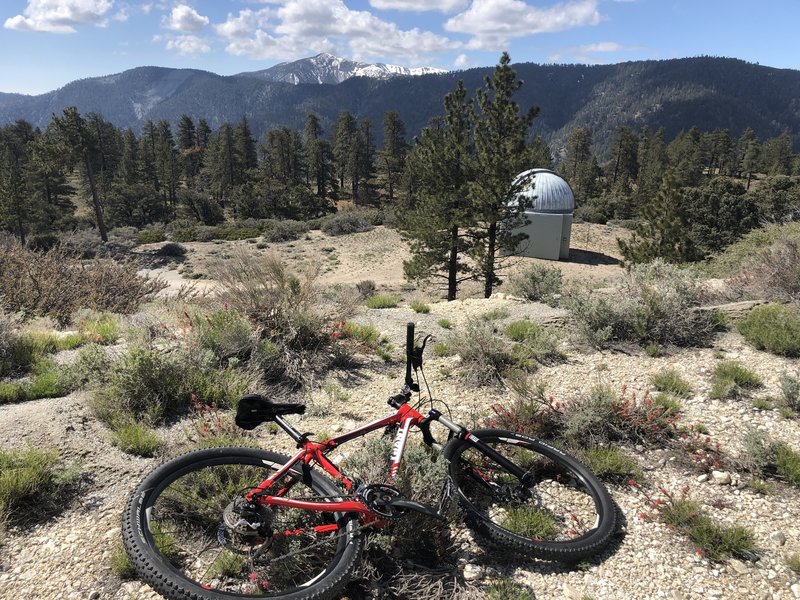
(326, 68)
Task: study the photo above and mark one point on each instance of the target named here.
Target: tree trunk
(98, 210)
(489, 269)
(452, 265)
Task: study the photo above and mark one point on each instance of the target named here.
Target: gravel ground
(67, 556)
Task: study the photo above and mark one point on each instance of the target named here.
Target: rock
(737, 566)
(472, 572)
(569, 593)
(94, 595)
(702, 478)
(795, 590)
(721, 477)
(778, 538)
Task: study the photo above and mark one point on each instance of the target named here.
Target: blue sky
(45, 44)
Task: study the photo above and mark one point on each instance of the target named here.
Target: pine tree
(624, 160)
(501, 152)
(317, 156)
(392, 156)
(438, 214)
(344, 144)
(663, 230)
(78, 144)
(580, 167)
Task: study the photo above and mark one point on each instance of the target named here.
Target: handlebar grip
(409, 351)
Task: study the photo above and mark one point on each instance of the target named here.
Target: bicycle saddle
(255, 409)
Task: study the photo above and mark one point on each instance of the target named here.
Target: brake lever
(416, 356)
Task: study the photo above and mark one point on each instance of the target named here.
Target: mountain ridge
(676, 94)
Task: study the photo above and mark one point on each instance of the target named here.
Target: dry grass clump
(54, 284)
(293, 320)
(654, 303)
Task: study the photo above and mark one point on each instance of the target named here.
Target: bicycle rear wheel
(188, 535)
(560, 512)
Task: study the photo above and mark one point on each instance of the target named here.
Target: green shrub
(103, 328)
(382, 301)
(226, 333)
(368, 335)
(284, 231)
(121, 565)
(496, 314)
(793, 562)
(233, 233)
(137, 439)
(344, 223)
(604, 416)
(287, 310)
(750, 247)
(184, 235)
(445, 323)
(731, 378)
(484, 355)
(150, 236)
(787, 465)
(790, 390)
(33, 482)
(654, 303)
(713, 540)
(610, 464)
(534, 343)
(652, 350)
(670, 381)
(538, 284)
(508, 589)
(774, 328)
(418, 306)
(442, 349)
(45, 381)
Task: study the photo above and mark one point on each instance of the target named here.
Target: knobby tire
(178, 543)
(562, 512)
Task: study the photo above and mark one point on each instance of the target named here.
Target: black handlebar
(409, 352)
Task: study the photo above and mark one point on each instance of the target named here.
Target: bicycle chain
(322, 542)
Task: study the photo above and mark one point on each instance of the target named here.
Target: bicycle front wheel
(558, 510)
(189, 534)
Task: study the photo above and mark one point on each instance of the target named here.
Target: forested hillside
(449, 189)
(675, 94)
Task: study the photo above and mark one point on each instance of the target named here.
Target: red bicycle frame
(315, 452)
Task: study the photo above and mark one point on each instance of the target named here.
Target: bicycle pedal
(405, 503)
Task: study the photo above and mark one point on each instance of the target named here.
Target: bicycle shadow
(511, 561)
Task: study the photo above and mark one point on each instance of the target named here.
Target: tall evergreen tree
(438, 215)
(501, 153)
(393, 153)
(663, 230)
(345, 140)
(624, 160)
(79, 144)
(653, 162)
(580, 165)
(317, 156)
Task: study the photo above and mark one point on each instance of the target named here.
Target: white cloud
(461, 61)
(59, 16)
(444, 6)
(299, 27)
(588, 53)
(184, 18)
(188, 45)
(492, 23)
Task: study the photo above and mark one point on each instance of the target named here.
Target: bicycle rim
(182, 543)
(561, 511)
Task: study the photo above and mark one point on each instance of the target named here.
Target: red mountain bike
(227, 523)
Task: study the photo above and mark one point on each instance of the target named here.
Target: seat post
(291, 431)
